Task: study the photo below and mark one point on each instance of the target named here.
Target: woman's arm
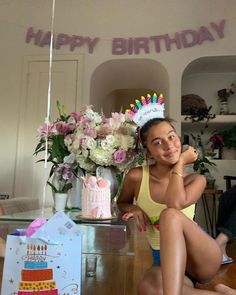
(129, 191)
(182, 190)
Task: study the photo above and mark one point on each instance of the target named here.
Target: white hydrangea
(126, 142)
(90, 143)
(110, 139)
(101, 157)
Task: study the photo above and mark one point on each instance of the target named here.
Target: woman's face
(163, 144)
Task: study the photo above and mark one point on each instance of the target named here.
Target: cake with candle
(36, 277)
(96, 198)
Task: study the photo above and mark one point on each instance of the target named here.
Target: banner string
(47, 120)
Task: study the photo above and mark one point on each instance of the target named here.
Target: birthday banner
(120, 46)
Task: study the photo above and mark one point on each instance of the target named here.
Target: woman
(161, 199)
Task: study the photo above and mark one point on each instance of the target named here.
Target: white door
(30, 177)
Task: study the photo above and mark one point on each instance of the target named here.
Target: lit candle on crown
(154, 98)
(143, 100)
(149, 98)
(131, 113)
(138, 103)
(160, 99)
(133, 107)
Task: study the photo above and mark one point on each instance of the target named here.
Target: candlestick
(149, 98)
(143, 100)
(138, 103)
(133, 107)
(131, 113)
(160, 99)
(154, 98)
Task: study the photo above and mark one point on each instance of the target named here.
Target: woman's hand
(189, 155)
(140, 218)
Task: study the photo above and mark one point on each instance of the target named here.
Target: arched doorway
(116, 83)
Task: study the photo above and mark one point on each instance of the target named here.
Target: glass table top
(75, 215)
(99, 236)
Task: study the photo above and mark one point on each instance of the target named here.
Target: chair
(228, 179)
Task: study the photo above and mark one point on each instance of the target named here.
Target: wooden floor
(226, 274)
(121, 276)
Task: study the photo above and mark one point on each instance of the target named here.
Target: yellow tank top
(153, 210)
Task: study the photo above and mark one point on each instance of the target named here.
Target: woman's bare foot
(222, 240)
(223, 289)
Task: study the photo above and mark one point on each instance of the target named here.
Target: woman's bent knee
(170, 215)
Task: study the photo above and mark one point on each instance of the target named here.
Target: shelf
(218, 119)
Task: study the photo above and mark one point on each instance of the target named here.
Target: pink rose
(120, 156)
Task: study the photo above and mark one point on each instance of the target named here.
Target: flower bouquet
(51, 142)
(101, 141)
(87, 140)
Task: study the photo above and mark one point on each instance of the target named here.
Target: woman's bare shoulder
(134, 174)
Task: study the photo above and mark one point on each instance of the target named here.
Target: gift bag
(47, 263)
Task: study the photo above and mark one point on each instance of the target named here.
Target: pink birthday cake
(96, 198)
(36, 277)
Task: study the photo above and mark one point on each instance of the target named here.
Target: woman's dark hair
(144, 129)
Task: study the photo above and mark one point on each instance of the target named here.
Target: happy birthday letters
(131, 46)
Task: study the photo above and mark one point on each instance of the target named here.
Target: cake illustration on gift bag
(36, 277)
(96, 198)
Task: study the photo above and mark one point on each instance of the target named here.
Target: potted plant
(203, 164)
(229, 137)
(217, 143)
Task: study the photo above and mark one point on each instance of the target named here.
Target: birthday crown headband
(147, 108)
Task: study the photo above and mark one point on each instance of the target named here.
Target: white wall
(104, 19)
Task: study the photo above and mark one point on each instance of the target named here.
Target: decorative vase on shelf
(224, 107)
(60, 201)
(217, 150)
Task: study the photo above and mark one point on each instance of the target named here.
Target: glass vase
(75, 194)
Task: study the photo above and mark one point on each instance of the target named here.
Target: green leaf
(66, 187)
(55, 190)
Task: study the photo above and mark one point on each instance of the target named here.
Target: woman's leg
(151, 284)
(185, 246)
(222, 240)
